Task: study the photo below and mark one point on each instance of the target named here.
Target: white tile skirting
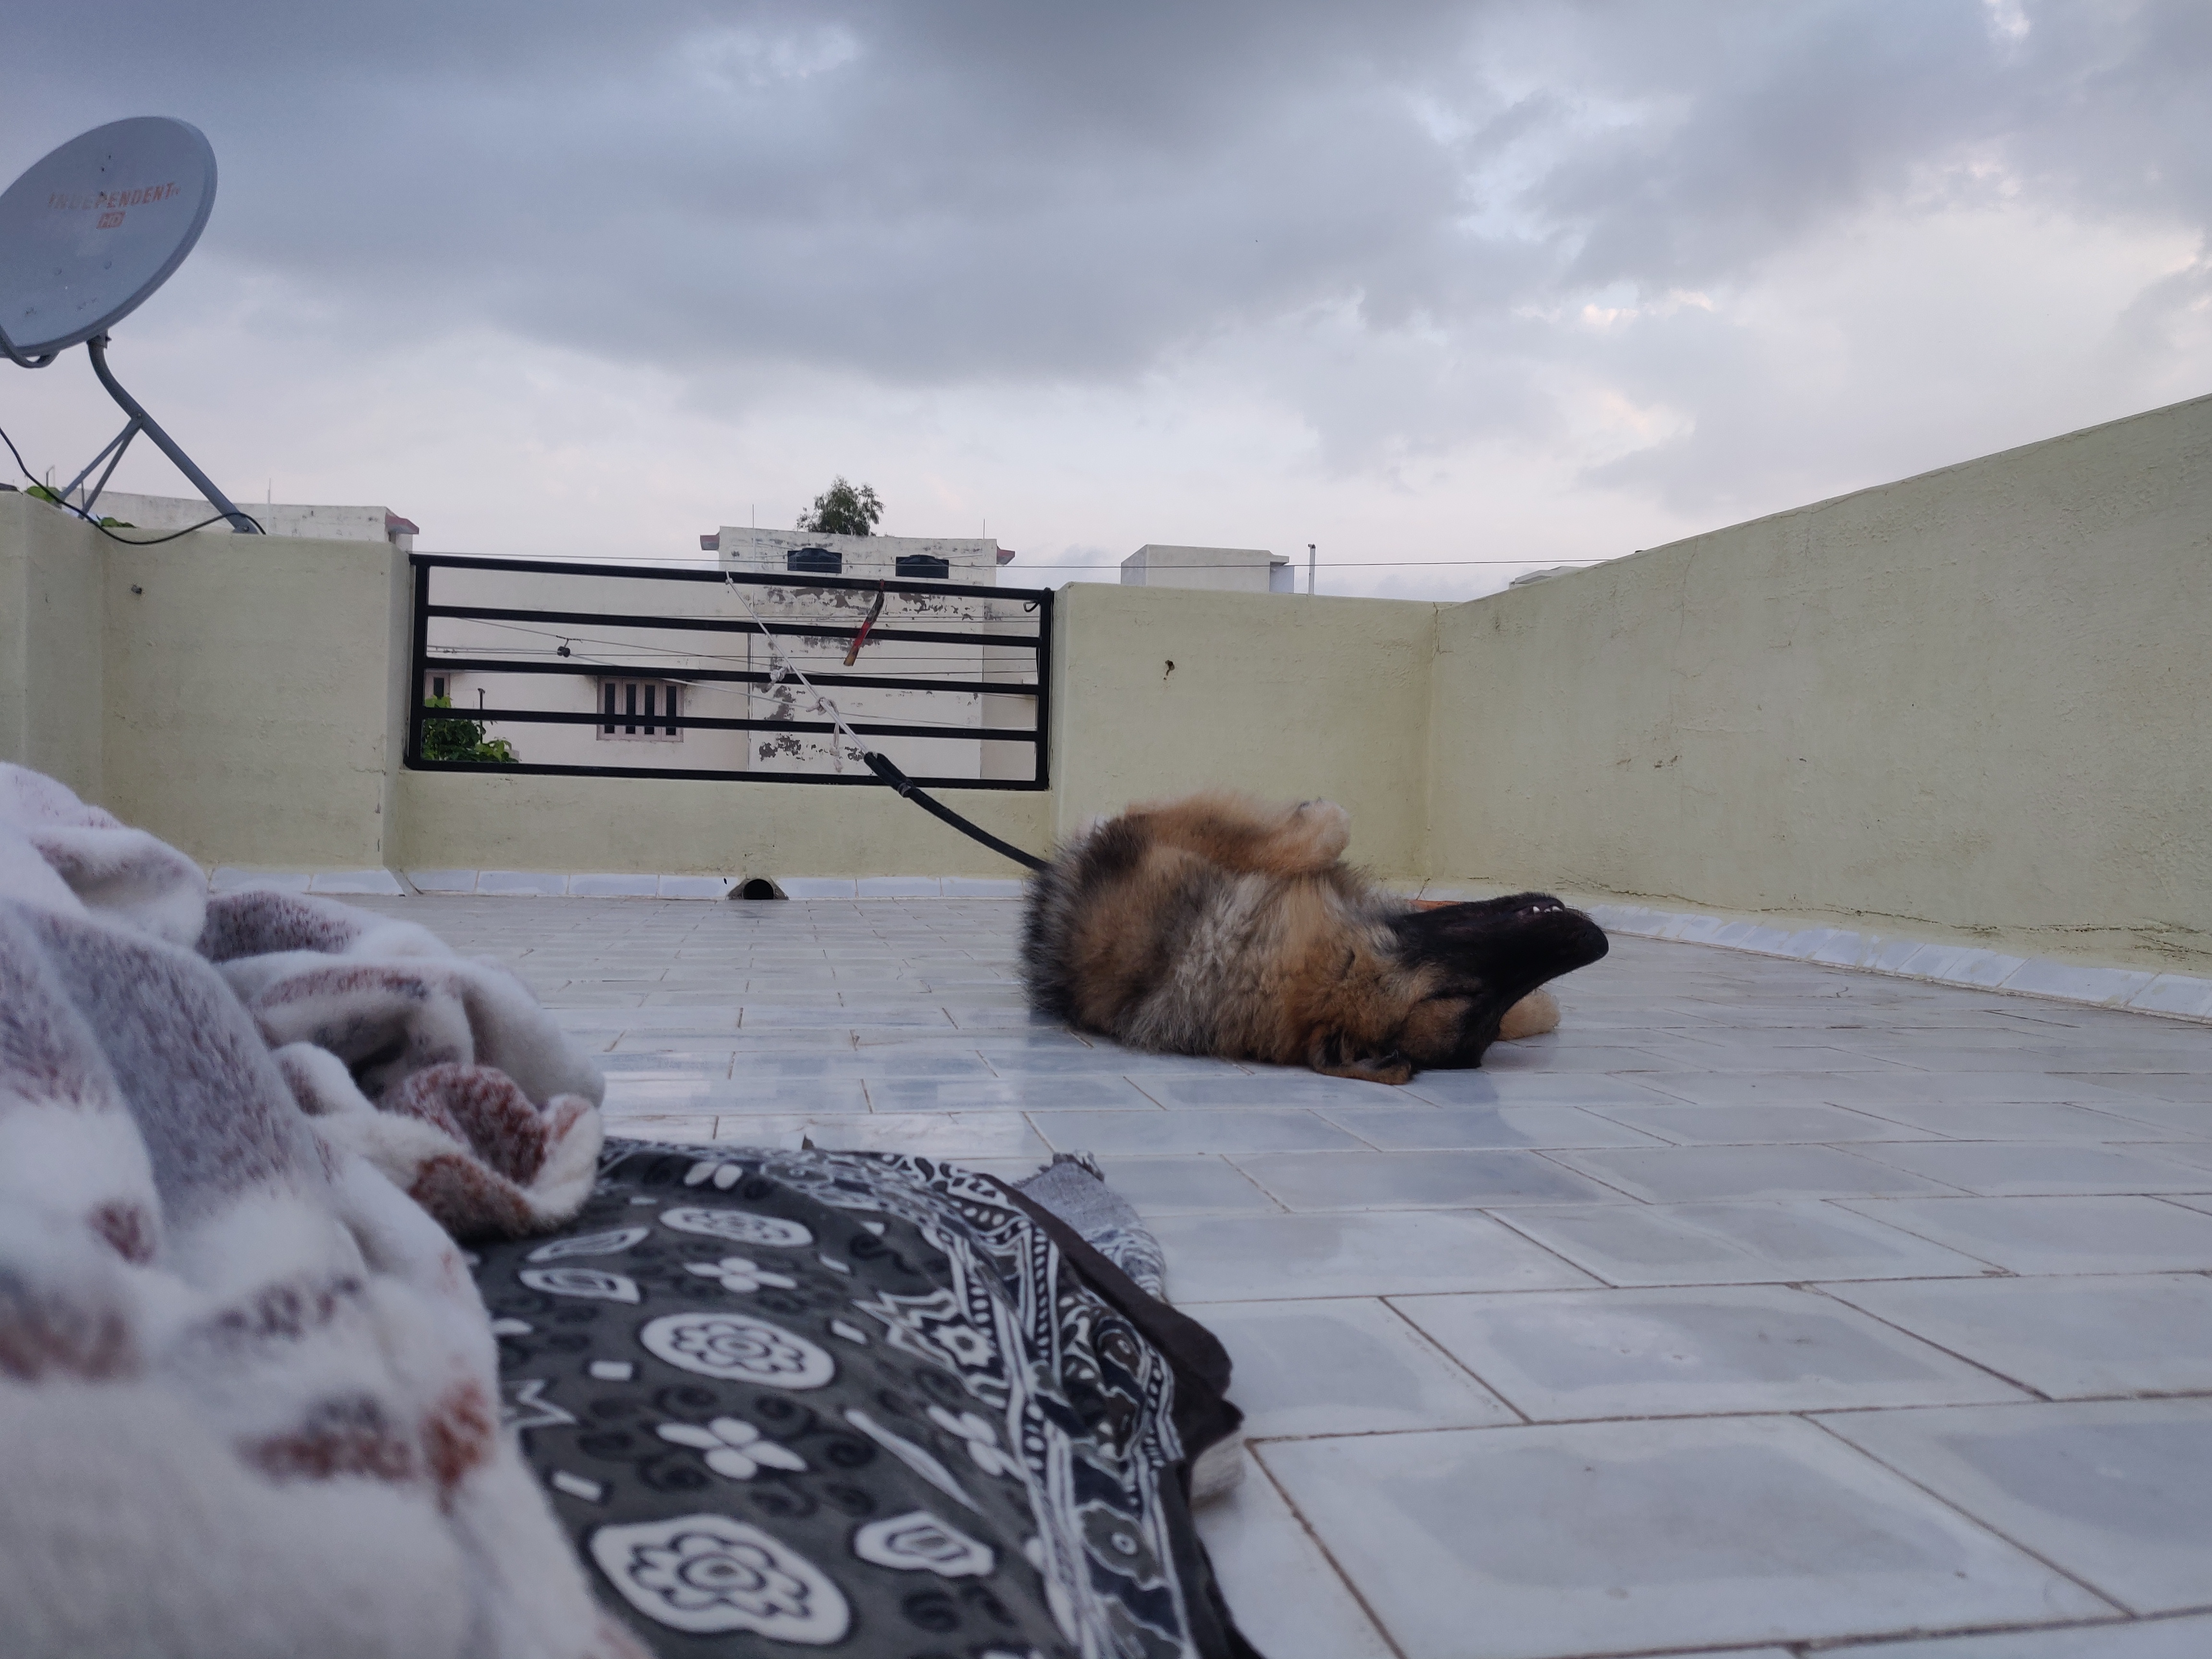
(543, 883)
(232, 878)
(2178, 995)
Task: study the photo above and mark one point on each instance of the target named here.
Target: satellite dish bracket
(96, 349)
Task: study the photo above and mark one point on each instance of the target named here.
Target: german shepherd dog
(1218, 925)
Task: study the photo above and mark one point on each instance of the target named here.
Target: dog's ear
(1328, 1054)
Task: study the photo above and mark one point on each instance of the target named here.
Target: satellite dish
(86, 236)
(89, 233)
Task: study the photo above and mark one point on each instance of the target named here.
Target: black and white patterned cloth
(861, 1403)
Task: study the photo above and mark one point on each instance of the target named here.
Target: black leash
(907, 787)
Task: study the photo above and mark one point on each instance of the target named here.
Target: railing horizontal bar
(864, 728)
(749, 578)
(723, 625)
(867, 780)
(751, 676)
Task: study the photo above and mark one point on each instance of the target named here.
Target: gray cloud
(994, 192)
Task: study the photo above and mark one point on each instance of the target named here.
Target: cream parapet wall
(1279, 694)
(1970, 707)
(1966, 708)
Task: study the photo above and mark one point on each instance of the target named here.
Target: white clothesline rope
(779, 666)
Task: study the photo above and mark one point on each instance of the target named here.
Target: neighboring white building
(972, 562)
(975, 561)
(1225, 569)
(160, 514)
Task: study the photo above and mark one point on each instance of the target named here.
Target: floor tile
(1263, 1258)
(2173, 1119)
(661, 1126)
(1482, 1087)
(758, 1018)
(1727, 1050)
(2194, 1154)
(1717, 1126)
(1191, 1185)
(1012, 1094)
(1664, 1353)
(1286, 1596)
(745, 1094)
(897, 1064)
(1754, 1244)
(748, 1091)
(1682, 1174)
(1205, 1131)
(1551, 1054)
(1417, 1180)
(630, 1093)
(1996, 1169)
(1408, 1128)
(2063, 1337)
(1341, 1366)
(1869, 1090)
(2023, 1121)
(2124, 1235)
(930, 1134)
(1070, 1056)
(2187, 1088)
(1531, 1542)
(2147, 1638)
(1271, 1086)
(1776, 1087)
(2118, 1493)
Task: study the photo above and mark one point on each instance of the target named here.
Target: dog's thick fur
(1217, 925)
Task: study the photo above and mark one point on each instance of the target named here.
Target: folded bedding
(861, 1402)
(258, 1151)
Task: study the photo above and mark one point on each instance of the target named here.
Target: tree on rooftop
(844, 509)
(462, 740)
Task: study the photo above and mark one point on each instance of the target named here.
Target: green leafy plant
(844, 509)
(39, 492)
(462, 740)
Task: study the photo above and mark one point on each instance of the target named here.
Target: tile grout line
(1359, 1599)
(1430, 1342)
(1957, 1509)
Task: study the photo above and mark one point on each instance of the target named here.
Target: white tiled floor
(1764, 1305)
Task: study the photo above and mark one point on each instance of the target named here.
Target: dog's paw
(1534, 1015)
(1321, 831)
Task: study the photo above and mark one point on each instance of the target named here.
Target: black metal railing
(555, 639)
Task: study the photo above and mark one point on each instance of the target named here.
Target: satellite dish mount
(86, 236)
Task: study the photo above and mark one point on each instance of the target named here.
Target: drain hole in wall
(758, 887)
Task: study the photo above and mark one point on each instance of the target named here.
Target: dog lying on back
(1220, 926)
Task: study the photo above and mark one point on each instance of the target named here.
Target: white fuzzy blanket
(247, 1389)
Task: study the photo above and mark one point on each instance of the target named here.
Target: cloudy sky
(1428, 285)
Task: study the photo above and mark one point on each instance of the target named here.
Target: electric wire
(105, 530)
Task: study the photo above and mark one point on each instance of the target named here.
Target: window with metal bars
(641, 710)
